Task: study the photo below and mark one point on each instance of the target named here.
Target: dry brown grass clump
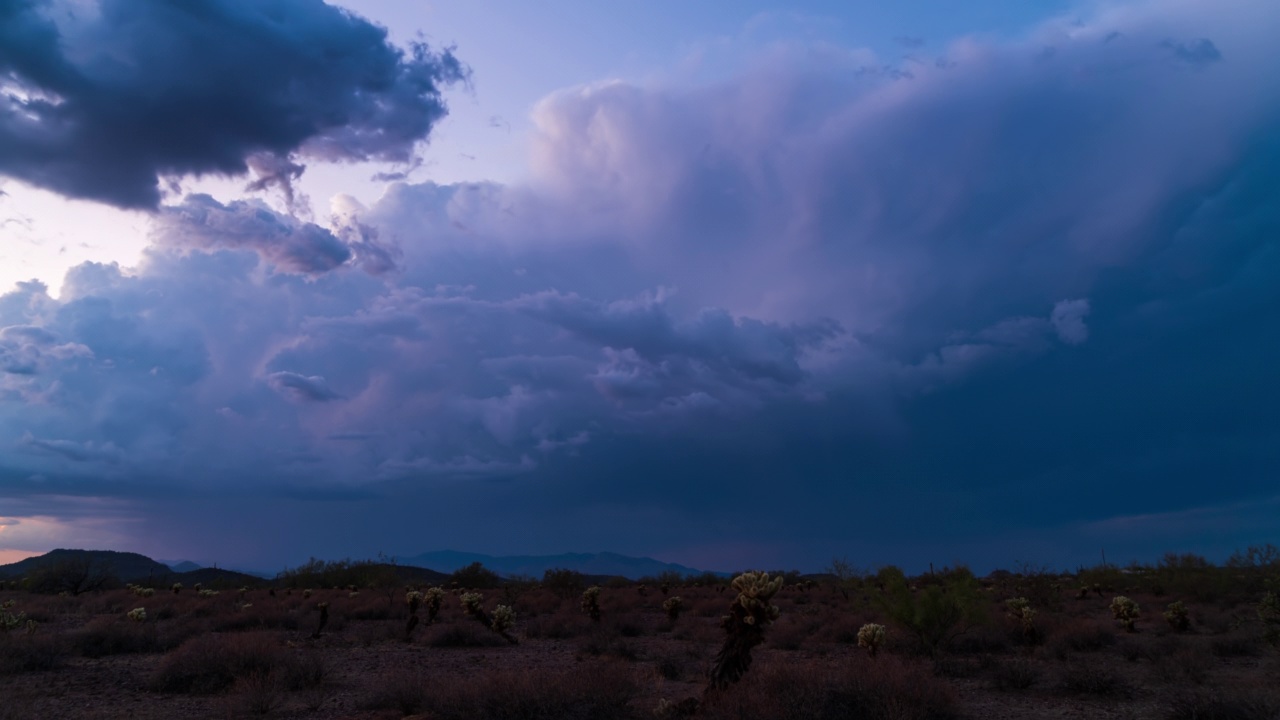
(211, 663)
(887, 688)
(22, 652)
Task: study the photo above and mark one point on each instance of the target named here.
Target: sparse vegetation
(938, 645)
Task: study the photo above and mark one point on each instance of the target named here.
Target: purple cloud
(854, 286)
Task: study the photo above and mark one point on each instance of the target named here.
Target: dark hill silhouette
(76, 571)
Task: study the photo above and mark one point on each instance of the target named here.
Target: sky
(747, 284)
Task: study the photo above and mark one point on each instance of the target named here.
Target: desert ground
(1029, 644)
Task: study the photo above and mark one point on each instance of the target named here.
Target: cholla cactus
(673, 605)
(324, 619)
(1124, 610)
(306, 593)
(433, 597)
(502, 620)
(414, 599)
(1177, 616)
(354, 593)
(1020, 610)
(206, 593)
(10, 620)
(138, 614)
(471, 603)
(591, 602)
(142, 591)
(871, 636)
(198, 587)
(749, 614)
(176, 588)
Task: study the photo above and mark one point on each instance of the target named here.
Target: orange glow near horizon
(13, 556)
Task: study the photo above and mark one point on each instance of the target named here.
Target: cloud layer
(102, 100)
(822, 307)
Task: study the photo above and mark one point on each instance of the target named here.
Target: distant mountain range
(79, 570)
(605, 564)
(430, 567)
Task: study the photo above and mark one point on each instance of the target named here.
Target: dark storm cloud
(815, 311)
(101, 100)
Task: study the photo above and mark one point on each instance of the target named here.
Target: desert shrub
(476, 577)
(886, 689)
(1093, 678)
(603, 642)
(600, 691)
(935, 614)
(1133, 651)
(106, 636)
(19, 703)
(789, 634)
(1082, 636)
(629, 627)
(564, 583)
(1235, 645)
(461, 635)
(1015, 674)
(403, 688)
(673, 666)
(1217, 705)
(953, 666)
(254, 617)
(371, 609)
(210, 663)
(260, 693)
(34, 652)
(556, 627)
(986, 640)
(1102, 579)
(1041, 587)
(1181, 665)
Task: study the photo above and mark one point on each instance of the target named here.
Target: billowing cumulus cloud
(99, 100)
(1003, 288)
(288, 244)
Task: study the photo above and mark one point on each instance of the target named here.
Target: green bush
(936, 611)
